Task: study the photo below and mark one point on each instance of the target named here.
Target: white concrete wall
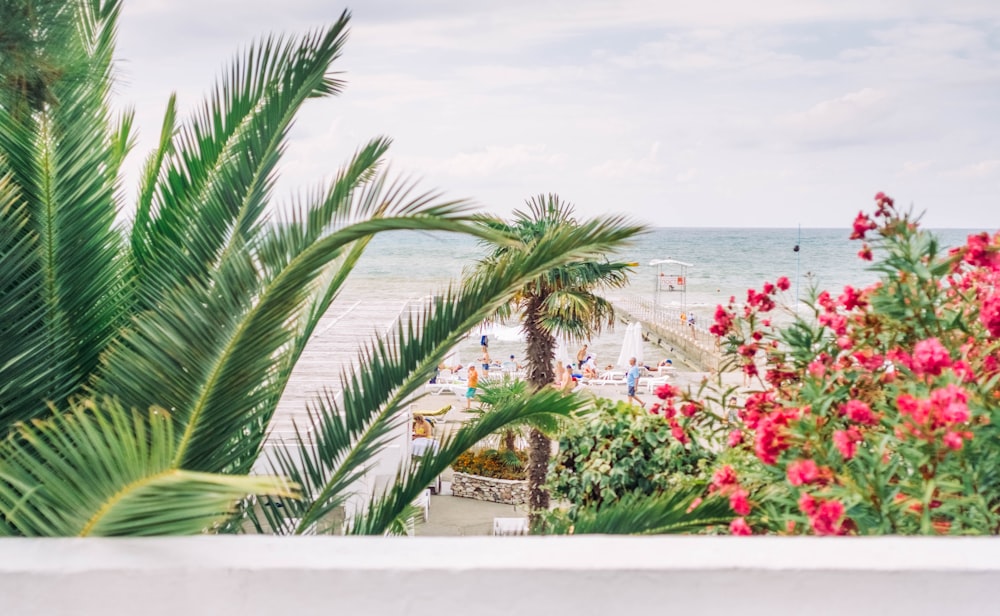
(690, 576)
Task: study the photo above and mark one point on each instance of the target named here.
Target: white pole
(798, 257)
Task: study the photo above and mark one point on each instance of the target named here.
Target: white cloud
(767, 112)
(622, 168)
(483, 163)
(985, 169)
(855, 117)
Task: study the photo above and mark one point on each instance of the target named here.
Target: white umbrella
(502, 333)
(453, 358)
(631, 345)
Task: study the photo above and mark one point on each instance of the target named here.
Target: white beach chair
(423, 503)
(608, 378)
(510, 526)
(653, 383)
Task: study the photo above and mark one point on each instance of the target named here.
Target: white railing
(258, 576)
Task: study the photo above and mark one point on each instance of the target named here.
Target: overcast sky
(767, 113)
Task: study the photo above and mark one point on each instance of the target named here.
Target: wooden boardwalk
(664, 326)
(352, 321)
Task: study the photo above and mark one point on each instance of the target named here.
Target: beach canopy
(670, 262)
(631, 345)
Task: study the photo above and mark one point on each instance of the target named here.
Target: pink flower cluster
(825, 516)
(667, 393)
(725, 483)
(846, 441)
(940, 416)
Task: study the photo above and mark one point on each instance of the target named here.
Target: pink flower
(739, 527)
(846, 441)
(723, 322)
(735, 438)
(851, 298)
(739, 502)
(783, 283)
(724, 477)
(828, 518)
(807, 504)
(862, 225)
(980, 253)
(678, 432)
(930, 357)
(816, 369)
(694, 505)
(689, 409)
(989, 314)
(865, 253)
(953, 440)
(859, 412)
(665, 391)
(802, 472)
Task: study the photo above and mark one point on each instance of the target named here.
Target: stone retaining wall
(504, 491)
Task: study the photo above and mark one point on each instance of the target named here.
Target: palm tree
(561, 301)
(141, 363)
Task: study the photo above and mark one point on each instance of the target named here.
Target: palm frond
(382, 510)
(63, 158)
(674, 512)
(349, 434)
(218, 179)
(209, 353)
(31, 371)
(100, 470)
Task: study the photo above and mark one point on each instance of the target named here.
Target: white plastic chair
(503, 527)
(423, 502)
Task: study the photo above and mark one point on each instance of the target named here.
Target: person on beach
(471, 384)
(485, 362)
(632, 379)
(581, 356)
(421, 427)
(568, 382)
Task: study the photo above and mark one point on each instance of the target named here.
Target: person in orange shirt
(473, 382)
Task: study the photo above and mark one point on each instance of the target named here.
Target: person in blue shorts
(632, 379)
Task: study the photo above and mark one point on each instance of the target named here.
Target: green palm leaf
(210, 354)
(350, 433)
(219, 171)
(673, 512)
(383, 510)
(102, 470)
(63, 160)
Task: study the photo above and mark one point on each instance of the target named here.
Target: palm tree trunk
(540, 349)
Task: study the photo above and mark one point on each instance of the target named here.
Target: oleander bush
(877, 411)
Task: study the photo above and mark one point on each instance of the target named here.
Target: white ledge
(484, 576)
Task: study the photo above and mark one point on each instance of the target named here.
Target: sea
(718, 263)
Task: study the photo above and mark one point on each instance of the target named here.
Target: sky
(727, 113)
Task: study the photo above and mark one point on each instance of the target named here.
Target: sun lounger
(608, 378)
(652, 383)
(437, 389)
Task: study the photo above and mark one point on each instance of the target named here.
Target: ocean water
(724, 262)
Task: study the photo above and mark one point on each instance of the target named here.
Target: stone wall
(504, 491)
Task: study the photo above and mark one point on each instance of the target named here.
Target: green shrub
(618, 451)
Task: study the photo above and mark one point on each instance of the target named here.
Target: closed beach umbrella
(631, 345)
